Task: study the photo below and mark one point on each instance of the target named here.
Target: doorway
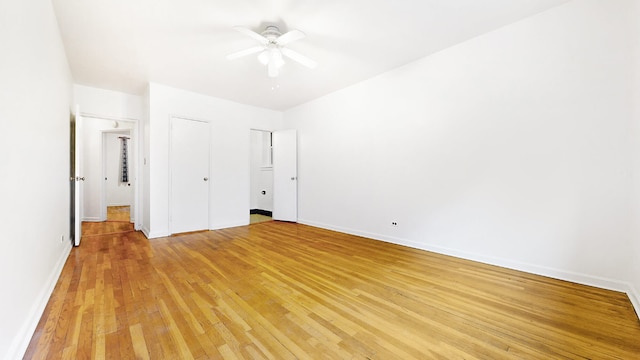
(261, 190)
(274, 175)
(117, 191)
(103, 154)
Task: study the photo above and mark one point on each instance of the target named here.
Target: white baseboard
(93, 219)
(145, 231)
(21, 340)
(584, 279)
(154, 235)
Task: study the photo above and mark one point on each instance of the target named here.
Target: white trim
(22, 338)
(634, 297)
(584, 279)
(105, 117)
(155, 235)
(93, 219)
(171, 116)
(145, 231)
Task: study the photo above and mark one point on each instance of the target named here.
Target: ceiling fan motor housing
(271, 32)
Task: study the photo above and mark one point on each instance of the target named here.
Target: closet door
(189, 153)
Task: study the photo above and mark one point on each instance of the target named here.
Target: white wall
(230, 138)
(512, 148)
(35, 103)
(107, 103)
(261, 171)
(634, 262)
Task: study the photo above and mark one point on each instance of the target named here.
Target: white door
(79, 179)
(285, 176)
(189, 175)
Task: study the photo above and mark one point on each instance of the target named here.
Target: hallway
(117, 222)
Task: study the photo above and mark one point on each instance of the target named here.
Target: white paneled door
(285, 176)
(78, 178)
(189, 175)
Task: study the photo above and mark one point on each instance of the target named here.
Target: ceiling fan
(272, 48)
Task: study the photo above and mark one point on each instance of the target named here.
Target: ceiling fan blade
(290, 36)
(272, 69)
(245, 52)
(252, 34)
(296, 56)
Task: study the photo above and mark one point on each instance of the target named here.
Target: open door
(285, 176)
(79, 180)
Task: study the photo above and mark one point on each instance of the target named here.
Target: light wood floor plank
(287, 291)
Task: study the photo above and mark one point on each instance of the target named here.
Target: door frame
(136, 154)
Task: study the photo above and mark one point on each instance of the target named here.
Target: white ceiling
(124, 44)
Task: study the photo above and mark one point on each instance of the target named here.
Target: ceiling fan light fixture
(272, 50)
(276, 56)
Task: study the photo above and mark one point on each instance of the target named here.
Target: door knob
(206, 179)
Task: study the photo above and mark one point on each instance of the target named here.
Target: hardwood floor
(287, 291)
(258, 218)
(118, 221)
(119, 213)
